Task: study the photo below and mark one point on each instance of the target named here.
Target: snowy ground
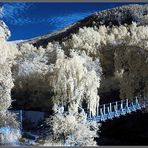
(8, 137)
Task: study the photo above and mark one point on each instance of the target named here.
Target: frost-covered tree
(8, 51)
(34, 63)
(122, 51)
(31, 74)
(7, 54)
(70, 79)
(131, 68)
(87, 39)
(71, 130)
(74, 79)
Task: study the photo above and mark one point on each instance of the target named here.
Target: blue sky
(27, 20)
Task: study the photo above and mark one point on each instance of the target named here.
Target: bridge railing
(105, 111)
(116, 109)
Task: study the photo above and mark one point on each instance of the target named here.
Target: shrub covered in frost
(71, 129)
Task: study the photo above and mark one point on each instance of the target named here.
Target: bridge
(116, 109)
(104, 112)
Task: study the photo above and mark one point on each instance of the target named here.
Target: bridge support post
(116, 105)
(104, 109)
(122, 110)
(137, 103)
(127, 106)
(110, 105)
(133, 107)
(116, 109)
(126, 102)
(102, 115)
(109, 116)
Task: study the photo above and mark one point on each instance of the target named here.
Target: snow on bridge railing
(116, 109)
